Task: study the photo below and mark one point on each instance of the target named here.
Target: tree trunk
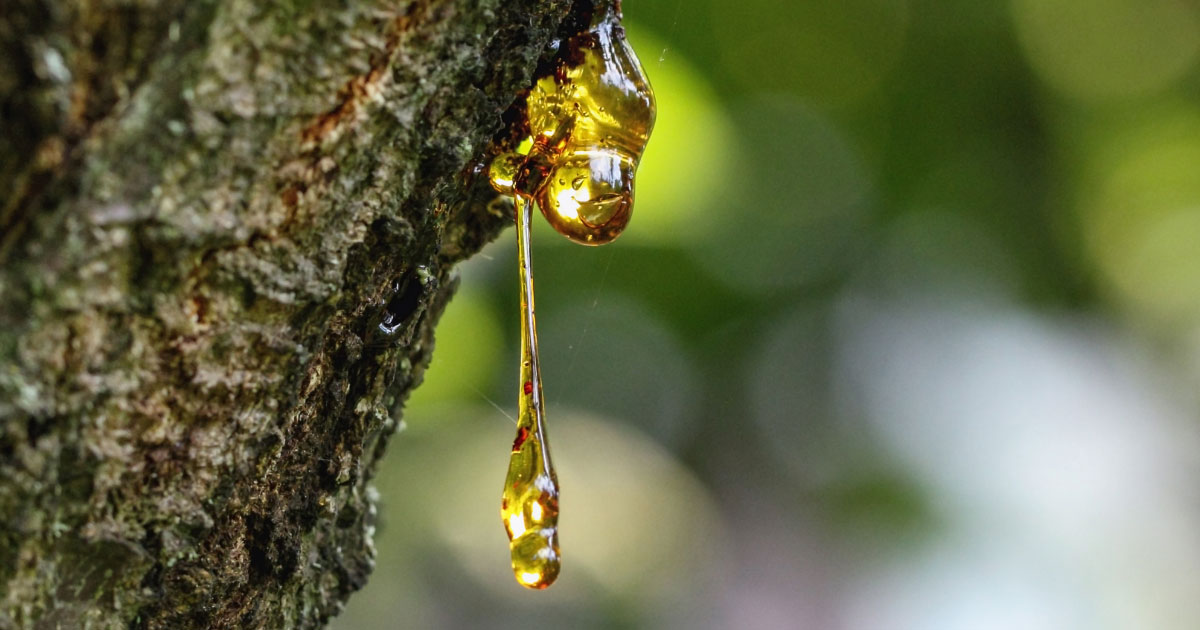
(207, 208)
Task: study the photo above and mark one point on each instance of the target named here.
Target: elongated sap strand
(588, 122)
(529, 506)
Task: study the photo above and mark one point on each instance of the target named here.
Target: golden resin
(588, 122)
(529, 507)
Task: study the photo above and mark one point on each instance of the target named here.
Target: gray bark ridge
(206, 210)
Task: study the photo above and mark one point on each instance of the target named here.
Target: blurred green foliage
(813, 161)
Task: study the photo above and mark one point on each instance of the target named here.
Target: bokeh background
(904, 335)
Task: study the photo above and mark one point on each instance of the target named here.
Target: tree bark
(207, 208)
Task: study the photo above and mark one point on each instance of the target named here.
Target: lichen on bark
(205, 209)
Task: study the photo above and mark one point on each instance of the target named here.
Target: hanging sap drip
(588, 122)
(529, 506)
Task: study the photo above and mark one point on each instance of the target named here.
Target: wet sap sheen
(588, 122)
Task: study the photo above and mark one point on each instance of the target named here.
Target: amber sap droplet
(589, 120)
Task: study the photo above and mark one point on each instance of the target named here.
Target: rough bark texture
(206, 209)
